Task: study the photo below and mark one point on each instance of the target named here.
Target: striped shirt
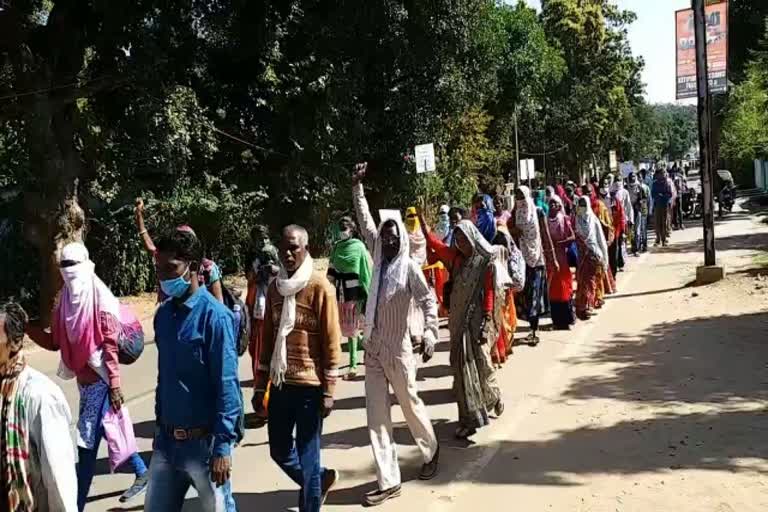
(390, 332)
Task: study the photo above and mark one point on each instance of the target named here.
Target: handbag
(130, 341)
(516, 266)
(118, 430)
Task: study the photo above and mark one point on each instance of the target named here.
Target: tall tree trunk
(53, 216)
(44, 61)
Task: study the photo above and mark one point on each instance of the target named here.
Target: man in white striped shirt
(389, 359)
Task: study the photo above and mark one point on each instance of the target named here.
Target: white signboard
(612, 161)
(425, 158)
(527, 169)
(627, 168)
(385, 215)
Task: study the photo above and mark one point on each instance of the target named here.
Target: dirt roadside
(661, 405)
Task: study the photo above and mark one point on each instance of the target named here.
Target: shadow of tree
(702, 360)
(715, 367)
(720, 441)
(750, 241)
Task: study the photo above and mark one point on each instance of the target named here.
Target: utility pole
(707, 273)
(517, 153)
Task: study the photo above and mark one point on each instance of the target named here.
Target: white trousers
(400, 373)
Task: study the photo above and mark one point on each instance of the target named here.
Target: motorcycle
(725, 200)
(697, 210)
(689, 199)
(726, 197)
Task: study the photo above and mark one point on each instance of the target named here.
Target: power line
(52, 88)
(250, 144)
(546, 153)
(272, 151)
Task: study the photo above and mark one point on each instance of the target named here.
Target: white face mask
(345, 235)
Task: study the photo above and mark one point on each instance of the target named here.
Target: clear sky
(652, 36)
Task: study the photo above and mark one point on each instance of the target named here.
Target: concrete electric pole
(709, 272)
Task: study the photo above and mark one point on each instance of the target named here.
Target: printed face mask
(177, 287)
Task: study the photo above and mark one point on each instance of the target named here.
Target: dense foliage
(745, 132)
(230, 112)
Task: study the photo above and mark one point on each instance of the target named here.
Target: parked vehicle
(697, 210)
(726, 192)
(689, 199)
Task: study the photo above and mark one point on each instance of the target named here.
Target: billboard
(717, 50)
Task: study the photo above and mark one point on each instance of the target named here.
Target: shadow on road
(711, 379)
(693, 441)
(702, 360)
(748, 242)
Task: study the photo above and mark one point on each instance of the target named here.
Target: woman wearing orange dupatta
(606, 285)
(503, 347)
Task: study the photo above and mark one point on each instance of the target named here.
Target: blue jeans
(299, 407)
(86, 464)
(175, 466)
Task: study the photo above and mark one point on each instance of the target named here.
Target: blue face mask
(177, 287)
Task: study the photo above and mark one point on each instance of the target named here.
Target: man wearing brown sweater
(300, 356)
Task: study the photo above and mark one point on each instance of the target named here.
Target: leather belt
(186, 434)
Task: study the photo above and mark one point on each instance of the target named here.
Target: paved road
(597, 419)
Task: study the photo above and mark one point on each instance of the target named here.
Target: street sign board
(425, 158)
(717, 50)
(385, 215)
(527, 169)
(613, 164)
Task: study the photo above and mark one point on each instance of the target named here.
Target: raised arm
(436, 247)
(363, 212)
(149, 245)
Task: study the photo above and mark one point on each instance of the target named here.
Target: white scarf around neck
(395, 277)
(287, 287)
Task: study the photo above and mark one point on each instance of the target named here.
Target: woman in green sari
(473, 322)
(350, 268)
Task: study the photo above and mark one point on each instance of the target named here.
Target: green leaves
(745, 131)
(232, 112)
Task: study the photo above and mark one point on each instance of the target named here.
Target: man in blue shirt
(197, 401)
(661, 192)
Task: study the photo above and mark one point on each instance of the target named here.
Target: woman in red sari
(593, 259)
(560, 278)
(619, 228)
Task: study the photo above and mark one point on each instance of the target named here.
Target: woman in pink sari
(86, 328)
(560, 277)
